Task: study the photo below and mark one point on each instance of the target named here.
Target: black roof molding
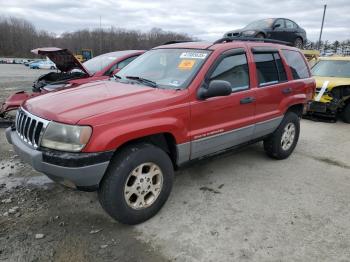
(251, 39)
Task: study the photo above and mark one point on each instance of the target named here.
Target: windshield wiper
(117, 77)
(143, 80)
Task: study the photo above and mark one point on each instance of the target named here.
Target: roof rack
(177, 42)
(253, 39)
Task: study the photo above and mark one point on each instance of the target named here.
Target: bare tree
(18, 37)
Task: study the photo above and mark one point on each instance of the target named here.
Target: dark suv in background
(273, 28)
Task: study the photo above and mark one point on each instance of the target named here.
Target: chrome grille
(29, 127)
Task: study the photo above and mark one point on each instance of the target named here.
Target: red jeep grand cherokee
(173, 104)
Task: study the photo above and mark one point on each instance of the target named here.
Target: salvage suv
(175, 103)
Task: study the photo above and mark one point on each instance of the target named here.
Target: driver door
(219, 123)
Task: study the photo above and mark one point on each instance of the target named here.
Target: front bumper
(78, 170)
(316, 106)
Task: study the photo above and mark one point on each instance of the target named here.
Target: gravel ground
(239, 206)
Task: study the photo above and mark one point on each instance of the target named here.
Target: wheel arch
(261, 33)
(297, 109)
(166, 141)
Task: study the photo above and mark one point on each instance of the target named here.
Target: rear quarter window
(297, 64)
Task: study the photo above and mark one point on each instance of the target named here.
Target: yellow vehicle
(79, 58)
(332, 97)
(85, 54)
(311, 56)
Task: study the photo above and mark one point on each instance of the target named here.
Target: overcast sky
(205, 19)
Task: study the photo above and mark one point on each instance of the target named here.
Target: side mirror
(115, 71)
(276, 26)
(215, 88)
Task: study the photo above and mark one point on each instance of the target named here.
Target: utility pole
(319, 39)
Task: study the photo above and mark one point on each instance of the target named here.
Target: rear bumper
(78, 170)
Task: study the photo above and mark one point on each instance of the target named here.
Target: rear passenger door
(218, 123)
(291, 31)
(272, 88)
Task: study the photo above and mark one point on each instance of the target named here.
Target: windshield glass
(332, 68)
(99, 62)
(168, 68)
(266, 23)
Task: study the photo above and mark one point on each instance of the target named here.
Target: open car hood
(65, 61)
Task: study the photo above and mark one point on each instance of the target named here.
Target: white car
(47, 64)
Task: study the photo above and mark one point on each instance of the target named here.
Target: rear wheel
(137, 183)
(346, 113)
(298, 42)
(283, 141)
(260, 35)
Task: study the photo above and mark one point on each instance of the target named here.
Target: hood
(333, 81)
(65, 61)
(75, 104)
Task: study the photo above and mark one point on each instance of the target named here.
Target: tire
(260, 35)
(277, 148)
(346, 113)
(298, 43)
(116, 189)
(52, 67)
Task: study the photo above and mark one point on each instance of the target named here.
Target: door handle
(247, 100)
(287, 90)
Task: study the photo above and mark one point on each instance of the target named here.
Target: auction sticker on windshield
(186, 64)
(192, 55)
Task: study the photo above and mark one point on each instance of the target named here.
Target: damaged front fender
(11, 104)
(14, 101)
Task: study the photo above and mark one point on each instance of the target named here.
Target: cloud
(207, 20)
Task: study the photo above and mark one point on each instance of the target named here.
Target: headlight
(66, 137)
(248, 33)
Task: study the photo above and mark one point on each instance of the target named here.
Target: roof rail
(253, 39)
(177, 42)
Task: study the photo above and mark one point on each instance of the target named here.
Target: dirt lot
(236, 207)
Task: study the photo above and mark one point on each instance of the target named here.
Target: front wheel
(282, 142)
(137, 183)
(260, 35)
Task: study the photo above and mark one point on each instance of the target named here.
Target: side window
(120, 65)
(233, 69)
(279, 22)
(289, 24)
(296, 63)
(269, 68)
(125, 62)
(280, 68)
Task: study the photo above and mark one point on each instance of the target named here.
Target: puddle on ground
(9, 179)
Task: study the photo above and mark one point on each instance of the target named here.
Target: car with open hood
(332, 98)
(71, 73)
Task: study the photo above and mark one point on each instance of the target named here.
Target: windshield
(168, 68)
(266, 23)
(99, 62)
(332, 68)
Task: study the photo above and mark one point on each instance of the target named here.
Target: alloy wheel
(143, 186)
